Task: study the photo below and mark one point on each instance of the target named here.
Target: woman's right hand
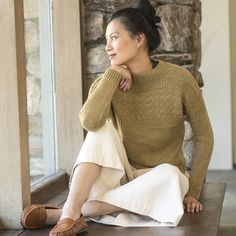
(192, 205)
(126, 81)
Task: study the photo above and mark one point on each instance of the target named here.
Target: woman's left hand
(192, 205)
(125, 84)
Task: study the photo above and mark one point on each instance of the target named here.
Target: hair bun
(147, 10)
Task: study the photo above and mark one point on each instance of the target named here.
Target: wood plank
(39, 232)
(205, 223)
(10, 232)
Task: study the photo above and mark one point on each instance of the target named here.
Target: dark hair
(141, 19)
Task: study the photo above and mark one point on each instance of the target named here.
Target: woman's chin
(113, 63)
(117, 63)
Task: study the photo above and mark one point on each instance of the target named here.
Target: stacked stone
(180, 33)
(33, 87)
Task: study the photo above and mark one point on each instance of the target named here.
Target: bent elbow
(90, 124)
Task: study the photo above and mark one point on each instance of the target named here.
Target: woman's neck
(139, 65)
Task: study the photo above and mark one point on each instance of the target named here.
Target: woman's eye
(113, 37)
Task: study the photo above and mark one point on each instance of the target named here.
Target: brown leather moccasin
(69, 227)
(34, 216)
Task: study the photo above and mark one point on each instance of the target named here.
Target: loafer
(69, 227)
(34, 216)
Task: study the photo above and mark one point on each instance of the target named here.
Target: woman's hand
(126, 81)
(192, 205)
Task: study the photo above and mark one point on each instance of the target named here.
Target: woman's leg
(83, 179)
(89, 209)
(96, 208)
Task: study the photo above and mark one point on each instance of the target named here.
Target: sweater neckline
(150, 74)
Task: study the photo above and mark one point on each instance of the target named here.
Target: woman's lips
(111, 56)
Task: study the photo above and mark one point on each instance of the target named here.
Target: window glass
(39, 80)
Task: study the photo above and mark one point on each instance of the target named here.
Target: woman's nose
(108, 46)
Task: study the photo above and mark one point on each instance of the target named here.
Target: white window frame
(47, 87)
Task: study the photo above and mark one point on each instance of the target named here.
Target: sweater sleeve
(96, 109)
(195, 109)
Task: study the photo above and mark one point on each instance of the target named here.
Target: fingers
(188, 207)
(200, 207)
(194, 207)
(122, 83)
(125, 84)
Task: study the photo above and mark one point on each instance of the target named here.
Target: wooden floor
(205, 223)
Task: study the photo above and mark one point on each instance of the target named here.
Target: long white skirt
(153, 196)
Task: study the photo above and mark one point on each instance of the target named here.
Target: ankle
(72, 212)
(53, 215)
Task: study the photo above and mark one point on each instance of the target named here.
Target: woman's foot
(36, 216)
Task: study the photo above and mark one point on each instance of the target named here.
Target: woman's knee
(168, 170)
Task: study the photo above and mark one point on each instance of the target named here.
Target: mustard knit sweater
(150, 118)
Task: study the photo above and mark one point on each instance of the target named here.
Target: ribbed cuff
(112, 75)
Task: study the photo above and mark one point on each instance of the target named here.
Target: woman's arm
(195, 109)
(96, 109)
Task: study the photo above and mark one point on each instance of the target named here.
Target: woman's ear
(140, 39)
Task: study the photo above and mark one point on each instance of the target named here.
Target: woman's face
(121, 47)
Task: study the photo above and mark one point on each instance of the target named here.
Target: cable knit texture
(150, 118)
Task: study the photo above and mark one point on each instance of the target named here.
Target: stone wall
(181, 41)
(33, 82)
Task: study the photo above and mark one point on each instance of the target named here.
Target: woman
(131, 170)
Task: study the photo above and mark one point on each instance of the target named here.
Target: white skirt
(153, 196)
